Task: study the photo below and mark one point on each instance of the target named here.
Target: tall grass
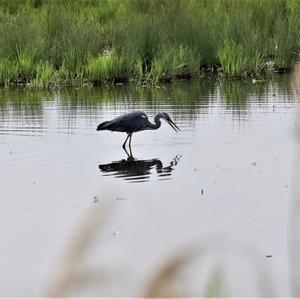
(26, 64)
(149, 40)
(107, 67)
(232, 58)
(45, 75)
(8, 72)
(173, 63)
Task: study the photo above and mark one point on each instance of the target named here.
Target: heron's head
(165, 116)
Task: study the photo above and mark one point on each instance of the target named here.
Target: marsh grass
(172, 63)
(285, 48)
(26, 64)
(148, 40)
(162, 67)
(232, 59)
(186, 62)
(238, 61)
(8, 72)
(107, 67)
(45, 75)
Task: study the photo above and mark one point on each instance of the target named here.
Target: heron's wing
(130, 122)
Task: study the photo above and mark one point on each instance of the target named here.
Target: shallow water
(222, 182)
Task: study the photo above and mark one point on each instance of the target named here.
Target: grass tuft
(8, 72)
(232, 59)
(26, 64)
(45, 75)
(107, 67)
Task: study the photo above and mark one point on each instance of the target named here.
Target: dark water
(227, 172)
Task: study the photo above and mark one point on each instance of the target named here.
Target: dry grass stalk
(164, 283)
(71, 268)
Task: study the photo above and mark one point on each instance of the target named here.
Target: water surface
(223, 179)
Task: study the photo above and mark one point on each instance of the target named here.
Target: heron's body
(129, 123)
(134, 122)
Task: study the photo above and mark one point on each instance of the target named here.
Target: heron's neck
(157, 122)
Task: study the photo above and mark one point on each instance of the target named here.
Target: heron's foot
(130, 158)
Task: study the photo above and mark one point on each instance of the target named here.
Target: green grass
(8, 72)
(45, 75)
(238, 61)
(232, 59)
(107, 67)
(26, 64)
(172, 63)
(146, 40)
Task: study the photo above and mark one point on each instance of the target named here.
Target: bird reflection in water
(138, 171)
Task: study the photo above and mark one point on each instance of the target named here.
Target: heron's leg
(124, 144)
(130, 140)
(128, 156)
(130, 144)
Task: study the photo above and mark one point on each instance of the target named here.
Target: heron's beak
(173, 125)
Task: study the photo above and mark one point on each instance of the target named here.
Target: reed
(186, 62)
(162, 67)
(232, 58)
(172, 63)
(107, 67)
(149, 40)
(45, 76)
(8, 72)
(26, 64)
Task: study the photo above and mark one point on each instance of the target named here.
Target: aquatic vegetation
(236, 61)
(173, 63)
(284, 45)
(186, 62)
(138, 69)
(26, 64)
(147, 40)
(45, 75)
(232, 59)
(106, 67)
(162, 67)
(8, 72)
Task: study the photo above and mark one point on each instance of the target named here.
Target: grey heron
(134, 122)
